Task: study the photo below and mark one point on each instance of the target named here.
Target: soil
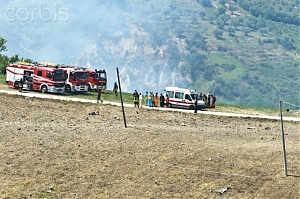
(62, 149)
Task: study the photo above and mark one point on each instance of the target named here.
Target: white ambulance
(183, 98)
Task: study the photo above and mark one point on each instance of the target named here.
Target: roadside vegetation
(109, 96)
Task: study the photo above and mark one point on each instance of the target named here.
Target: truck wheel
(44, 89)
(170, 105)
(68, 89)
(191, 107)
(16, 84)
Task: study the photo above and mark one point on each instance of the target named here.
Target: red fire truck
(77, 80)
(97, 79)
(36, 77)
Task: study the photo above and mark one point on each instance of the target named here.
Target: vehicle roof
(176, 89)
(32, 67)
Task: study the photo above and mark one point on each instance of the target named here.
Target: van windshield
(195, 96)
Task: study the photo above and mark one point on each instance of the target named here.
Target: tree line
(4, 59)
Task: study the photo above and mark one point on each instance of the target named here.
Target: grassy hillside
(227, 48)
(244, 52)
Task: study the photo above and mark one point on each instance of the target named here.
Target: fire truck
(77, 80)
(97, 79)
(36, 77)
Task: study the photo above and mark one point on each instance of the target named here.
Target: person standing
(99, 96)
(213, 101)
(162, 100)
(204, 98)
(208, 101)
(167, 100)
(136, 98)
(156, 99)
(140, 100)
(147, 99)
(200, 96)
(116, 89)
(151, 99)
(21, 85)
(196, 105)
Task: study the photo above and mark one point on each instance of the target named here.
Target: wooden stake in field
(283, 142)
(121, 98)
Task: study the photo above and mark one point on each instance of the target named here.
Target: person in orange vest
(167, 100)
(155, 100)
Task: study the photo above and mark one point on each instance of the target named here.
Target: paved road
(49, 96)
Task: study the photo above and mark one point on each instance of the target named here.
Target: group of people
(154, 100)
(151, 99)
(209, 100)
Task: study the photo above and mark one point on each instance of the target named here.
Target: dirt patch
(59, 149)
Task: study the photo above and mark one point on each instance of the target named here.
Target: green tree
(222, 10)
(263, 31)
(14, 58)
(231, 30)
(211, 16)
(3, 61)
(206, 3)
(225, 18)
(202, 14)
(234, 22)
(222, 2)
(220, 23)
(246, 30)
(218, 33)
(232, 8)
(2, 44)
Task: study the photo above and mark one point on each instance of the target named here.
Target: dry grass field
(56, 149)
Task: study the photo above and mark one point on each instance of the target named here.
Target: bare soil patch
(56, 149)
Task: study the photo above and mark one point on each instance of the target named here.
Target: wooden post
(124, 118)
(283, 142)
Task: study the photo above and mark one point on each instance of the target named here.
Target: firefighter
(116, 89)
(162, 100)
(99, 96)
(136, 98)
(21, 85)
(204, 98)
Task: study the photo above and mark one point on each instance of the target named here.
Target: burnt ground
(55, 149)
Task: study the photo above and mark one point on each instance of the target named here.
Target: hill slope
(237, 50)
